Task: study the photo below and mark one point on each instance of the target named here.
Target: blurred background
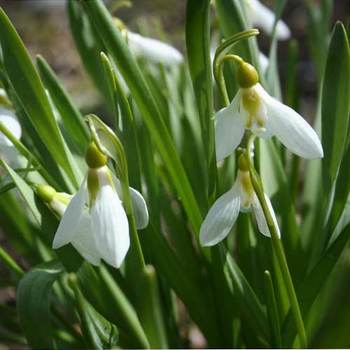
(43, 26)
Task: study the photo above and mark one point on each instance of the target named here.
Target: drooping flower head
(262, 17)
(254, 109)
(94, 221)
(153, 50)
(224, 212)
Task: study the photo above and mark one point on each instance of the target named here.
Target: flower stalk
(278, 249)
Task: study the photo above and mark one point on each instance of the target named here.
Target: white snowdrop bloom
(153, 50)
(254, 109)
(94, 221)
(10, 121)
(224, 212)
(262, 17)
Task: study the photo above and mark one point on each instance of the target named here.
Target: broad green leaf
(72, 119)
(33, 296)
(335, 105)
(111, 302)
(31, 93)
(198, 54)
(97, 331)
(129, 69)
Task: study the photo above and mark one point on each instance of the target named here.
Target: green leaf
(198, 54)
(335, 105)
(315, 280)
(33, 306)
(31, 93)
(111, 302)
(73, 121)
(129, 69)
(25, 191)
(97, 331)
(272, 311)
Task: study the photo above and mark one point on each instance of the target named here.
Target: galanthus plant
(205, 206)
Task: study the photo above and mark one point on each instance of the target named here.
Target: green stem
(278, 248)
(10, 263)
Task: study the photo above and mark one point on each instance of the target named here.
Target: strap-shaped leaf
(335, 104)
(33, 305)
(31, 93)
(198, 54)
(73, 121)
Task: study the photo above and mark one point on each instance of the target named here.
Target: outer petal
(110, 226)
(84, 241)
(68, 226)
(292, 130)
(153, 50)
(11, 123)
(220, 218)
(260, 218)
(264, 18)
(229, 129)
(139, 205)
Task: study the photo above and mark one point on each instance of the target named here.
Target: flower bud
(94, 157)
(247, 75)
(46, 193)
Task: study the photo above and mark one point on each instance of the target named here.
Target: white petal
(138, 203)
(262, 17)
(68, 227)
(260, 217)
(84, 241)
(10, 121)
(153, 50)
(220, 218)
(229, 129)
(139, 208)
(292, 130)
(110, 226)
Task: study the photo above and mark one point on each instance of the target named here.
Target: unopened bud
(46, 193)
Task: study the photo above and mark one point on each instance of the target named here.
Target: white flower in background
(9, 119)
(224, 212)
(254, 109)
(153, 50)
(262, 17)
(94, 221)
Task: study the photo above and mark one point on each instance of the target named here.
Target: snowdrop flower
(254, 109)
(153, 50)
(224, 212)
(262, 17)
(94, 221)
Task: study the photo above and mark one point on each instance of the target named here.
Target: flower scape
(203, 203)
